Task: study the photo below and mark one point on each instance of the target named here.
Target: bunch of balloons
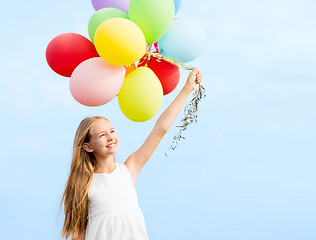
(114, 61)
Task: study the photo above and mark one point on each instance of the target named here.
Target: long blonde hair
(75, 197)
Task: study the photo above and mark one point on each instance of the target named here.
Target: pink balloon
(96, 82)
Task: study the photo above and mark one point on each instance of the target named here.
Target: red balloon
(66, 51)
(156, 47)
(168, 74)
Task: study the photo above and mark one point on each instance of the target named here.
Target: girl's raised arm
(137, 160)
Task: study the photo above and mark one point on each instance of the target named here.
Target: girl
(100, 201)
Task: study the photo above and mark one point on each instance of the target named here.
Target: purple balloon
(120, 4)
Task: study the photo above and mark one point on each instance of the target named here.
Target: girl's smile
(111, 145)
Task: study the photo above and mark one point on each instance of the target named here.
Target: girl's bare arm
(137, 160)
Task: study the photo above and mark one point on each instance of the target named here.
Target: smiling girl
(100, 200)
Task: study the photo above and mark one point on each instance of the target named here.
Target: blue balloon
(184, 40)
(177, 4)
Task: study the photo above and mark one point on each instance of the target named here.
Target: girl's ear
(87, 147)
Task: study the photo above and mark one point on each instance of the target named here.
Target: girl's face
(103, 139)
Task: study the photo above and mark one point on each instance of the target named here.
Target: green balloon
(101, 16)
(154, 17)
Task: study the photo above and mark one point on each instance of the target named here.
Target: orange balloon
(129, 68)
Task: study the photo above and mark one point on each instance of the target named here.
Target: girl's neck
(105, 165)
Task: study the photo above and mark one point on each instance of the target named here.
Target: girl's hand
(194, 78)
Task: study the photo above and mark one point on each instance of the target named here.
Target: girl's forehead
(100, 125)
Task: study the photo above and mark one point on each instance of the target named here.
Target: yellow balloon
(120, 41)
(140, 97)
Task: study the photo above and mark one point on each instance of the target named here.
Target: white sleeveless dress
(113, 210)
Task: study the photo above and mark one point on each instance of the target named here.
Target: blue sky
(245, 171)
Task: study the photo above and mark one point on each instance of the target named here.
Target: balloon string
(170, 60)
(147, 57)
(149, 47)
(190, 111)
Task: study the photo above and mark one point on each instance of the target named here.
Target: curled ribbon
(190, 111)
